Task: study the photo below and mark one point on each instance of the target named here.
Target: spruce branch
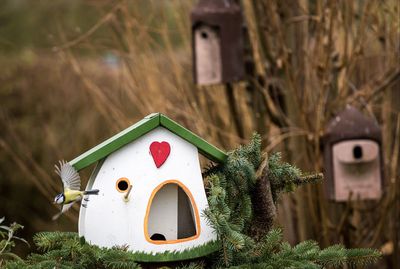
(285, 177)
(51, 240)
(309, 178)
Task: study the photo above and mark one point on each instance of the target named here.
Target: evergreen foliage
(285, 177)
(68, 250)
(230, 208)
(273, 253)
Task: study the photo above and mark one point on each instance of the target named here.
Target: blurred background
(73, 73)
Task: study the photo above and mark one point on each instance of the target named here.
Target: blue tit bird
(72, 185)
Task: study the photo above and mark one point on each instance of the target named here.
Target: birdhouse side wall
(111, 220)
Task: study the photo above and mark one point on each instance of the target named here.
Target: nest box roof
(140, 128)
(351, 124)
(215, 7)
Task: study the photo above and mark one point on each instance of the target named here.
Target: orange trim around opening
(122, 179)
(195, 210)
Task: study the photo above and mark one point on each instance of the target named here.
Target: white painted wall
(108, 220)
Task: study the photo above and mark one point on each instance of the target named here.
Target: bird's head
(59, 199)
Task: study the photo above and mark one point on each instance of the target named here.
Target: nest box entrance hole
(171, 215)
(357, 152)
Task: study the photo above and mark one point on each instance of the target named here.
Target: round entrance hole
(357, 152)
(122, 184)
(204, 35)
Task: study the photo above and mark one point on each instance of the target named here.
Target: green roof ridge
(141, 128)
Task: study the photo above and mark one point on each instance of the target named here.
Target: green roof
(140, 128)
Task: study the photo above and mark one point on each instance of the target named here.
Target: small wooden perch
(126, 196)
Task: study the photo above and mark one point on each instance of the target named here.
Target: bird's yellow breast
(72, 195)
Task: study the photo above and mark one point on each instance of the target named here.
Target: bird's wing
(69, 176)
(64, 209)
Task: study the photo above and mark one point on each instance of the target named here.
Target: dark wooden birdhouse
(217, 40)
(353, 157)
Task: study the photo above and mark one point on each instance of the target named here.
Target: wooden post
(234, 109)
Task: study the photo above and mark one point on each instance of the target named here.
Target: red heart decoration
(160, 152)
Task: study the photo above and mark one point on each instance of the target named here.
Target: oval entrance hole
(171, 215)
(357, 152)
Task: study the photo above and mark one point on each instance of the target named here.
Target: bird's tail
(92, 192)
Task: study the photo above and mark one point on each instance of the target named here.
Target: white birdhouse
(151, 190)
